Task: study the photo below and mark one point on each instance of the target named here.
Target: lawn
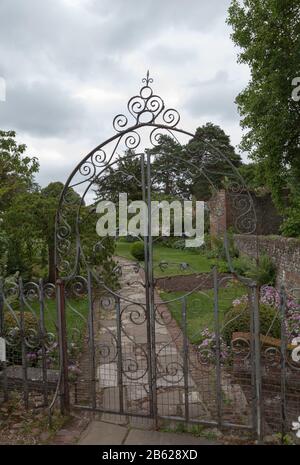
(200, 307)
(76, 313)
(197, 263)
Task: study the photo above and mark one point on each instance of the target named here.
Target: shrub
(137, 251)
(241, 265)
(218, 248)
(222, 265)
(264, 272)
(10, 322)
(14, 348)
(237, 319)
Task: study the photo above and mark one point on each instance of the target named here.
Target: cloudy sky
(71, 65)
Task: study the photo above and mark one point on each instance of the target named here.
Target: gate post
(257, 361)
(63, 348)
(283, 361)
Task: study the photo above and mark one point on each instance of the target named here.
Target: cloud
(214, 97)
(71, 65)
(41, 108)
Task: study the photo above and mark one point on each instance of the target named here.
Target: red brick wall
(223, 214)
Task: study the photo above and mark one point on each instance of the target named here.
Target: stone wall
(284, 251)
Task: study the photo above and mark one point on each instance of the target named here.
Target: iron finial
(147, 80)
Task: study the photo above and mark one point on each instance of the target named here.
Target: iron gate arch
(158, 369)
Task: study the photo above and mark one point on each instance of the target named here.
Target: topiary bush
(237, 319)
(137, 251)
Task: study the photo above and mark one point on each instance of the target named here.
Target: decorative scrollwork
(135, 369)
(77, 287)
(13, 336)
(162, 315)
(173, 372)
(107, 347)
(241, 347)
(145, 108)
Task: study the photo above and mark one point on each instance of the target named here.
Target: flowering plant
(269, 295)
(207, 346)
(74, 372)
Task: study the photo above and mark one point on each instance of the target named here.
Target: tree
(212, 157)
(16, 170)
(268, 35)
(17, 180)
(20, 225)
(46, 208)
(122, 176)
(167, 166)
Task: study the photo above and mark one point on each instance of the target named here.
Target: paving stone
(168, 403)
(107, 375)
(197, 410)
(99, 433)
(111, 398)
(193, 397)
(138, 437)
(142, 423)
(137, 392)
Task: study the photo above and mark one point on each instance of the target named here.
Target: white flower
(296, 427)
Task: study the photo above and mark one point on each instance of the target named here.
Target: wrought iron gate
(135, 353)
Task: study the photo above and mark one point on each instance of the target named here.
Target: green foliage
(217, 249)
(12, 330)
(264, 272)
(16, 169)
(252, 174)
(268, 36)
(28, 220)
(242, 265)
(237, 319)
(137, 250)
(122, 176)
(10, 321)
(222, 265)
(211, 149)
(200, 306)
(291, 223)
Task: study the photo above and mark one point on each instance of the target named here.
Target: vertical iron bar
(252, 361)
(23, 343)
(218, 349)
(91, 343)
(4, 365)
(42, 338)
(119, 361)
(63, 348)
(283, 362)
(185, 356)
(151, 289)
(147, 309)
(258, 387)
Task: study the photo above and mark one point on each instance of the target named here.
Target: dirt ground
(189, 282)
